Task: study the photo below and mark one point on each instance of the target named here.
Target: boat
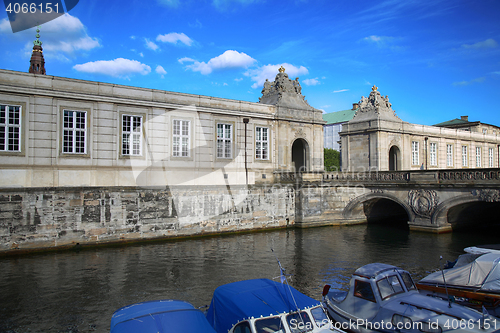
(473, 280)
(165, 316)
(266, 306)
(384, 298)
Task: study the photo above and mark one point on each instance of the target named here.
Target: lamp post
(245, 121)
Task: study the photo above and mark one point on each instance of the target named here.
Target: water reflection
(78, 291)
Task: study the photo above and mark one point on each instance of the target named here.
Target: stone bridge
(435, 200)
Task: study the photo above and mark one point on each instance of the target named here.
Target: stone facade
(90, 162)
(376, 139)
(80, 133)
(38, 218)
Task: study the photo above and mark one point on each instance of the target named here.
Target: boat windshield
(408, 281)
(269, 325)
(319, 316)
(389, 286)
(299, 322)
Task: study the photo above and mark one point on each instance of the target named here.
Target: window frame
(181, 136)
(465, 156)
(478, 157)
(227, 142)
(433, 154)
(491, 157)
(261, 142)
(356, 292)
(131, 132)
(415, 153)
(449, 155)
(19, 126)
(86, 139)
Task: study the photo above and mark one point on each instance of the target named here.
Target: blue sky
(436, 60)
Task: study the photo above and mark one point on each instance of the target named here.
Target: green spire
(37, 41)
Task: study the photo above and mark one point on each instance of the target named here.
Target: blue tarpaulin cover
(236, 301)
(162, 316)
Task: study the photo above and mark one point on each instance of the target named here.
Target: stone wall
(42, 218)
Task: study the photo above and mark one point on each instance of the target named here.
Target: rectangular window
(449, 155)
(180, 137)
(131, 135)
(224, 140)
(433, 153)
(464, 156)
(490, 157)
(478, 157)
(262, 143)
(10, 128)
(414, 153)
(74, 132)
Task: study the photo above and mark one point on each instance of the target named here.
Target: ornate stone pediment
(375, 106)
(284, 92)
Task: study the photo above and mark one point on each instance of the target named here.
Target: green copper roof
(338, 117)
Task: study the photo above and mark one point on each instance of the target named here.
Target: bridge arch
(450, 209)
(353, 207)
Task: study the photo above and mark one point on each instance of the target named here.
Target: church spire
(37, 63)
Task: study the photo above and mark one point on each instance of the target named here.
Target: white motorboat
(384, 298)
(266, 306)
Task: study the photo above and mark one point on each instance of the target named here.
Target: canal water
(79, 291)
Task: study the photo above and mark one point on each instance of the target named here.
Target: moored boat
(473, 281)
(166, 316)
(384, 298)
(265, 306)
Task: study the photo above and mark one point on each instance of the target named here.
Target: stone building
(66, 132)
(471, 126)
(90, 162)
(333, 126)
(377, 139)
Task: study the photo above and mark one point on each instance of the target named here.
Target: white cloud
(150, 45)
(160, 70)
(466, 83)
(175, 37)
(373, 38)
(64, 34)
(339, 91)
(238, 79)
(311, 82)
(269, 72)
(487, 44)
(5, 26)
(118, 68)
(229, 59)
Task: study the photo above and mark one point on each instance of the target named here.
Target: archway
(299, 155)
(394, 159)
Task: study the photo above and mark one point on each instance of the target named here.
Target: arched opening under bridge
(477, 216)
(385, 211)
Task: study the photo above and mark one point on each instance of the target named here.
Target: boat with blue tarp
(164, 316)
(265, 306)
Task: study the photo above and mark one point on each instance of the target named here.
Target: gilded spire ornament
(281, 69)
(374, 88)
